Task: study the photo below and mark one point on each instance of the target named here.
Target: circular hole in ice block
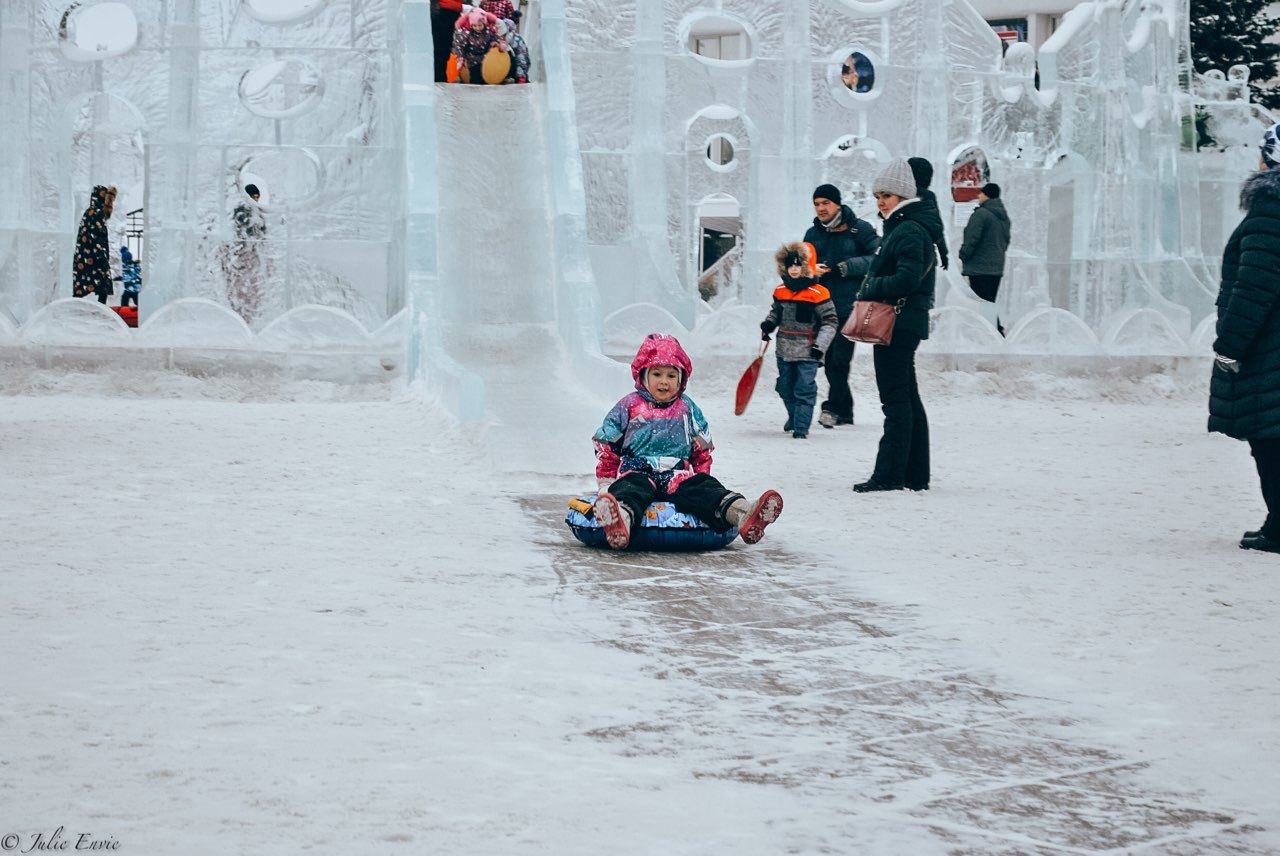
(721, 150)
(849, 145)
(716, 39)
(284, 177)
(101, 31)
(851, 76)
(282, 11)
(281, 88)
(969, 171)
(1238, 74)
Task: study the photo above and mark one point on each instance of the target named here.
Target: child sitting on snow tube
(656, 444)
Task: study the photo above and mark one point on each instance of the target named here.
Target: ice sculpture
(1103, 184)
(181, 104)
(551, 209)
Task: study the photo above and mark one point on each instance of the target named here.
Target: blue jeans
(798, 387)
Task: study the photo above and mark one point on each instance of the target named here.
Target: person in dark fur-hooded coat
(805, 320)
(1244, 390)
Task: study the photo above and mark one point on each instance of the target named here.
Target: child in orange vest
(805, 319)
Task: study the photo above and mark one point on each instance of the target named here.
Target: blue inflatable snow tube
(663, 528)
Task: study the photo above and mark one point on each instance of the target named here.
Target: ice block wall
(1087, 139)
(180, 104)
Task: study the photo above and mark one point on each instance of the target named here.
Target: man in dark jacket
(846, 246)
(928, 207)
(1244, 390)
(986, 240)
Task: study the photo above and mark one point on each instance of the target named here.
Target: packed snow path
(238, 622)
(785, 681)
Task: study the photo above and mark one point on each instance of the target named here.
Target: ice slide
(507, 328)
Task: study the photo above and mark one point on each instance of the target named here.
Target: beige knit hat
(897, 179)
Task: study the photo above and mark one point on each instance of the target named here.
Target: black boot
(1261, 542)
(872, 484)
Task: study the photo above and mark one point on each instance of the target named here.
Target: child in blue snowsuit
(656, 443)
(805, 318)
(130, 277)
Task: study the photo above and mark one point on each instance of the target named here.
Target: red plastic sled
(747, 383)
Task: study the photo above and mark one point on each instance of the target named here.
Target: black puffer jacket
(1246, 405)
(848, 252)
(904, 267)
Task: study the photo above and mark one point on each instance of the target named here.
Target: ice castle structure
(479, 238)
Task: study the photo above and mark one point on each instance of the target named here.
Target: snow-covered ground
(240, 618)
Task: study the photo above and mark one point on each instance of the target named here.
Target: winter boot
(873, 485)
(752, 519)
(615, 519)
(1260, 542)
(827, 419)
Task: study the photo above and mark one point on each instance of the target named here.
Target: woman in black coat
(902, 273)
(1244, 391)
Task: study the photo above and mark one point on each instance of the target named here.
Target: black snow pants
(701, 495)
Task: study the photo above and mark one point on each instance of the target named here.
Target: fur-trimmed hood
(1262, 186)
(802, 249)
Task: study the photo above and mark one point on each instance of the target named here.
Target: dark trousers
(701, 495)
(987, 287)
(127, 297)
(798, 387)
(1266, 456)
(442, 25)
(836, 368)
(904, 447)
(103, 294)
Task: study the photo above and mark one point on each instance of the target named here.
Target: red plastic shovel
(747, 384)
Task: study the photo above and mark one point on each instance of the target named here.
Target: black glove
(1226, 364)
(945, 262)
(815, 354)
(767, 327)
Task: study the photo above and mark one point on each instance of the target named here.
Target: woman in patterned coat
(91, 272)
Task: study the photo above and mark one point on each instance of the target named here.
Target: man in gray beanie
(846, 246)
